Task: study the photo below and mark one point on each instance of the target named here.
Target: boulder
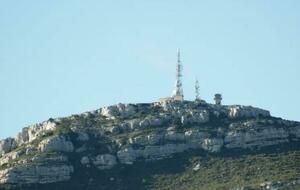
(196, 168)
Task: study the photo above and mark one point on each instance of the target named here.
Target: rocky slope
(125, 135)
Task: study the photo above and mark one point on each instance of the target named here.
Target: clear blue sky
(59, 58)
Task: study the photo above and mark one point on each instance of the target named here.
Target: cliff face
(121, 135)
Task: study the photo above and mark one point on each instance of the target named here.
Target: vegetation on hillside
(220, 171)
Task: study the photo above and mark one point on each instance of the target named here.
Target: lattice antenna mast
(197, 87)
(178, 91)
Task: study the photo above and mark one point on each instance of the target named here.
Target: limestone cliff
(125, 134)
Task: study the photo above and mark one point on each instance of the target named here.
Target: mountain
(176, 145)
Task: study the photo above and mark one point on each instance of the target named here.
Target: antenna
(178, 91)
(197, 87)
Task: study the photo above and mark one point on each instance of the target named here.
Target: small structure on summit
(177, 93)
(197, 93)
(218, 99)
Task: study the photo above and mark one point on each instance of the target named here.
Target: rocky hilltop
(106, 148)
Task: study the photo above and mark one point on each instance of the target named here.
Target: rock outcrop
(119, 110)
(36, 174)
(127, 133)
(195, 117)
(7, 145)
(56, 143)
(28, 134)
(256, 137)
(238, 111)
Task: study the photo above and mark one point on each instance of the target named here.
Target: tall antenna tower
(178, 91)
(197, 87)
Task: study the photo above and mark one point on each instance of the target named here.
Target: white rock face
(36, 174)
(6, 158)
(196, 168)
(156, 146)
(28, 134)
(22, 137)
(7, 145)
(105, 161)
(150, 122)
(159, 146)
(123, 110)
(195, 117)
(56, 143)
(260, 137)
(238, 111)
(150, 137)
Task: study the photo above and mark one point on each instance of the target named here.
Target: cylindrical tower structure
(218, 99)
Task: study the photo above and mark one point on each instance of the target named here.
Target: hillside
(178, 145)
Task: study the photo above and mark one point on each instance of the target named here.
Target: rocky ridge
(51, 151)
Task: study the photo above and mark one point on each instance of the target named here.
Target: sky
(64, 57)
